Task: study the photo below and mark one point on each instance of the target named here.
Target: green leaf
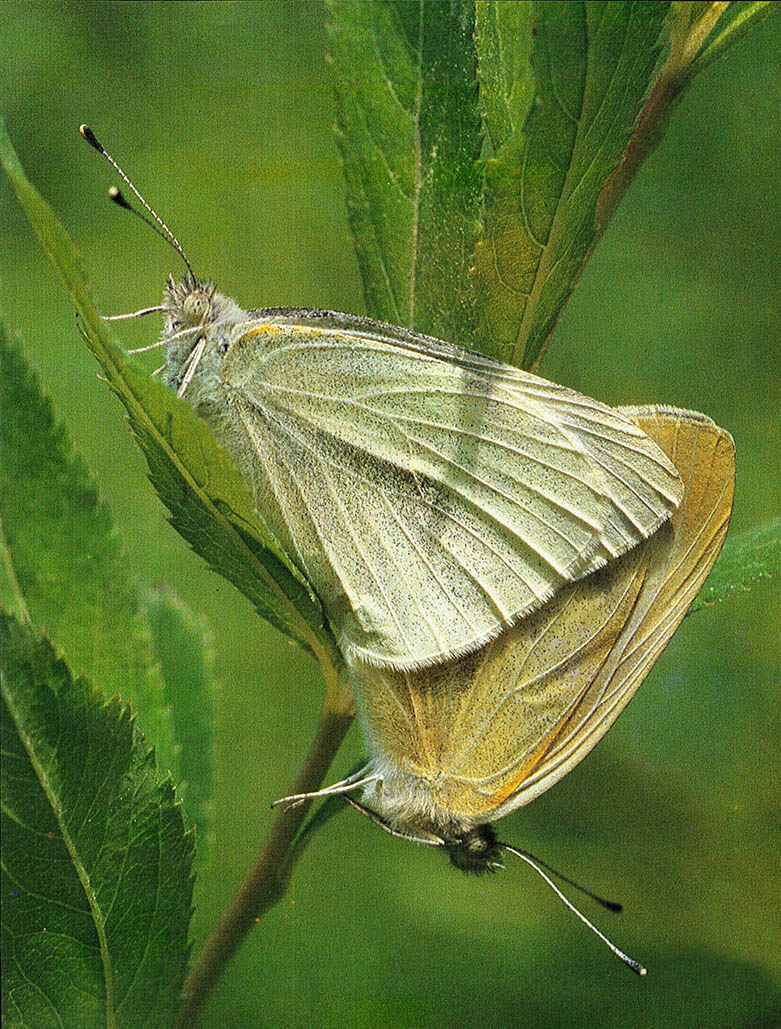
(752, 557)
(408, 128)
(594, 64)
(63, 555)
(96, 870)
(185, 655)
(503, 37)
(196, 480)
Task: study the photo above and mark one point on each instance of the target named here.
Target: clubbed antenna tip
(153, 220)
(91, 138)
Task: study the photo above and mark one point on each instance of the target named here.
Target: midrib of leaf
(97, 916)
(418, 158)
(13, 581)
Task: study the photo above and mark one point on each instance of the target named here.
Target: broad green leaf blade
(96, 871)
(594, 64)
(185, 655)
(503, 37)
(749, 558)
(202, 488)
(61, 549)
(408, 127)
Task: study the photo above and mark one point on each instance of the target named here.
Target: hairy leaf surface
(96, 872)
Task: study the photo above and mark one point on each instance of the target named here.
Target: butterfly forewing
(431, 496)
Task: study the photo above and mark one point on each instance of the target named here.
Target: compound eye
(195, 307)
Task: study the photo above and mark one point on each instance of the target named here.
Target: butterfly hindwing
(679, 562)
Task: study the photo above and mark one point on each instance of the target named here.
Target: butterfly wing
(430, 495)
(454, 742)
(678, 565)
(473, 739)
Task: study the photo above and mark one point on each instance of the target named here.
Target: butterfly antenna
(630, 962)
(154, 220)
(117, 197)
(611, 905)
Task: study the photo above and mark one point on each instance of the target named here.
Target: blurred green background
(222, 114)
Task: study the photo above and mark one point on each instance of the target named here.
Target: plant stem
(688, 56)
(267, 876)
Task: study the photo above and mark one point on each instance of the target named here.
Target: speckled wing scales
(430, 495)
(475, 728)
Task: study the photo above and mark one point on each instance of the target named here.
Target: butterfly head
(198, 319)
(196, 334)
(193, 303)
(477, 850)
(188, 303)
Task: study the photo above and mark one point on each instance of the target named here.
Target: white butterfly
(456, 746)
(431, 496)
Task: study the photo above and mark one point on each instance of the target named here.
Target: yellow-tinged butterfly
(502, 559)
(454, 747)
(431, 496)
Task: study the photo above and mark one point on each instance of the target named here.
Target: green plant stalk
(685, 44)
(267, 877)
(745, 20)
